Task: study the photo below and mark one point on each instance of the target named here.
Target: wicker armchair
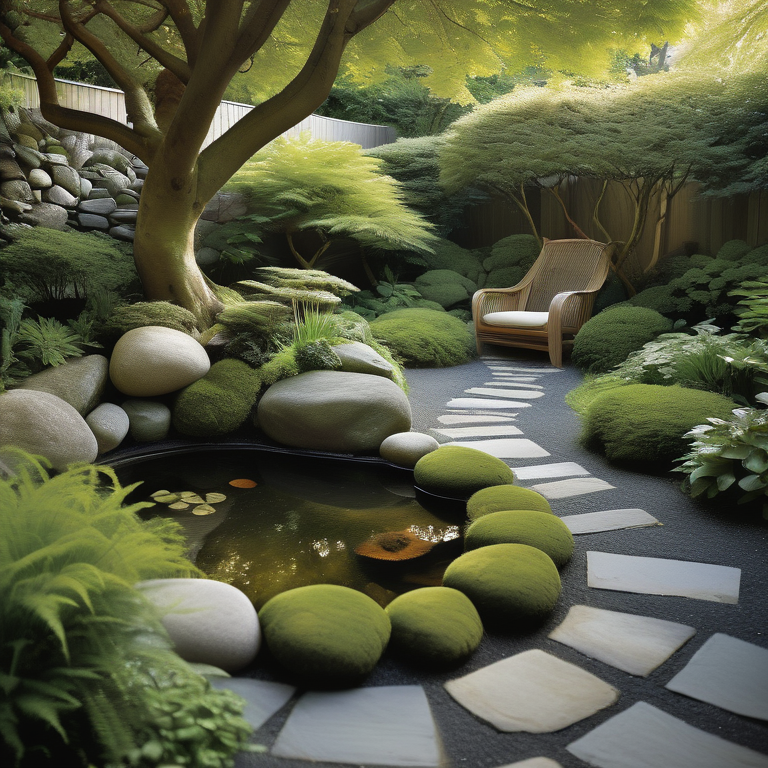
(548, 306)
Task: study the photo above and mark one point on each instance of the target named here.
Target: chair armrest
(560, 310)
(488, 300)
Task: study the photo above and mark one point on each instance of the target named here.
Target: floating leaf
(203, 509)
(168, 498)
(394, 545)
(193, 498)
(243, 482)
(179, 505)
(160, 493)
(215, 498)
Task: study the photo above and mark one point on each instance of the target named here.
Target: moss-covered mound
(505, 497)
(512, 585)
(424, 338)
(536, 529)
(437, 626)
(325, 634)
(607, 339)
(646, 422)
(458, 472)
(144, 313)
(445, 287)
(219, 402)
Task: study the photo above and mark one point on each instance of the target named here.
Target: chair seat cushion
(517, 319)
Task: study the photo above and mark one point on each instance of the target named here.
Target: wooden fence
(111, 103)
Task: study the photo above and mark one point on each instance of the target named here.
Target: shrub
(445, 287)
(607, 339)
(423, 338)
(647, 422)
(518, 251)
(218, 403)
(752, 310)
(448, 255)
(733, 250)
(143, 313)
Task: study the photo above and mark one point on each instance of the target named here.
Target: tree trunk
(163, 246)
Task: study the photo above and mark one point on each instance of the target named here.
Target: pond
(267, 522)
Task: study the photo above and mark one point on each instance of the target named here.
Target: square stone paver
(506, 448)
(657, 576)
(262, 697)
(632, 643)
(523, 394)
(608, 520)
(469, 418)
(541, 471)
(578, 486)
(512, 384)
(484, 403)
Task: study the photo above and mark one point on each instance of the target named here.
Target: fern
(47, 341)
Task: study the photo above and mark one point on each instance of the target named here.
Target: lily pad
(169, 498)
(215, 498)
(179, 505)
(243, 482)
(162, 492)
(194, 499)
(203, 509)
(394, 545)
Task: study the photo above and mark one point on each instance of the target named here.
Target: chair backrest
(565, 265)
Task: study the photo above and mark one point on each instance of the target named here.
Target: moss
(218, 403)
(325, 634)
(305, 279)
(581, 398)
(354, 327)
(437, 626)
(446, 295)
(733, 250)
(423, 338)
(513, 251)
(143, 313)
(646, 422)
(537, 529)
(423, 303)
(257, 318)
(317, 355)
(607, 339)
(459, 472)
(282, 366)
(505, 497)
(448, 255)
(512, 585)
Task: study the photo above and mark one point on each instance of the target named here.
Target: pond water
(288, 521)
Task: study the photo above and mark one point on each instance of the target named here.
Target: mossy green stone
(505, 497)
(325, 634)
(512, 585)
(537, 529)
(458, 471)
(434, 625)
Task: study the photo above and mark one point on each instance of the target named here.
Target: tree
(292, 51)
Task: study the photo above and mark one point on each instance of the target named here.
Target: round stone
(92, 221)
(505, 497)
(59, 196)
(43, 424)
(101, 206)
(153, 360)
(458, 471)
(325, 634)
(205, 257)
(537, 529)
(437, 626)
(39, 179)
(123, 232)
(513, 586)
(148, 420)
(406, 448)
(334, 411)
(209, 622)
(109, 424)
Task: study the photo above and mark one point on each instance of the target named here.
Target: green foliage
(752, 310)
(352, 326)
(282, 365)
(448, 255)
(311, 323)
(646, 423)
(606, 340)
(513, 251)
(424, 338)
(445, 287)
(306, 279)
(729, 454)
(42, 264)
(317, 355)
(125, 318)
(218, 403)
(389, 295)
(254, 290)
(580, 399)
(46, 341)
(11, 311)
(256, 318)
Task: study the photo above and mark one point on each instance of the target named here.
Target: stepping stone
(470, 419)
(561, 469)
(514, 377)
(562, 489)
(388, 725)
(263, 698)
(520, 384)
(534, 762)
(646, 737)
(632, 643)
(510, 448)
(657, 576)
(482, 403)
(515, 369)
(525, 394)
(729, 673)
(608, 520)
(499, 429)
(533, 692)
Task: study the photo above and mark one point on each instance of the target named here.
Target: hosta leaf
(699, 486)
(736, 452)
(756, 462)
(752, 483)
(724, 482)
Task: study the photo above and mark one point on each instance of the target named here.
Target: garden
(267, 496)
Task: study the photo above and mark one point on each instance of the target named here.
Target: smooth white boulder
(46, 425)
(209, 622)
(109, 424)
(153, 360)
(406, 448)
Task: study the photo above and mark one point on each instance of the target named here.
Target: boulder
(26, 128)
(46, 215)
(123, 217)
(126, 201)
(85, 188)
(357, 357)
(30, 158)
(334, 411)
(80, 381)
(46, 425)
(406, 448)
(92, 221)
(67, 178)
(153, 360)
(14, 205)
(26, 141)
(57, 195)
(207, 256)
(10, 170)
(96, 194)
(110, 157)
(123, 233)
(54, 158)
(209, 622)
(39, 179)
(17, 189)
(224, 207)
(109, 424)
(101, 206)
(105, 177)
(148, 420)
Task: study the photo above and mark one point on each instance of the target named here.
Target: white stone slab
(512, 384)
(525, 394)
(484, 403)
(263, 697)
(468, 418)
(388, 725)
(534, 762)
(504, 376)
(657, 576)
(646, 737)
(562, 489)
(729, 673)
(506, 448)
(515, 369)
(494, 430)
(538, 471)
(608, 520)
(533, 692)
(632, 643)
